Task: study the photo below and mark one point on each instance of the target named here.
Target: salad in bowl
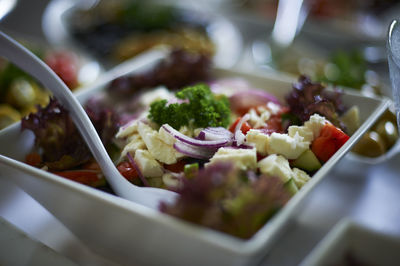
(241, 175)
(234, 153)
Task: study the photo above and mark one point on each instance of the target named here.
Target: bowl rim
(339, 233)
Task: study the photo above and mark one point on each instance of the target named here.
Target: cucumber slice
(191, 170)
(307, 161)
(291, 186)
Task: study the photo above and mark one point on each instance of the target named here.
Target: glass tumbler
(393, 53)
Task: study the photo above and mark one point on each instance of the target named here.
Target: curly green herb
(200, 108)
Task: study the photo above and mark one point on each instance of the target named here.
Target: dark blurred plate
(62, 20)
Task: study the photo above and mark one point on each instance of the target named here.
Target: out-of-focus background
(341, 43)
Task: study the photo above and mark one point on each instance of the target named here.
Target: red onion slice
(239, 136)
(196, 142)
(194, 151)
(215, 133)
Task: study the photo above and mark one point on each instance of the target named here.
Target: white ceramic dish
(362, 244)
(128, 233)
(227, 39)
(19, 249)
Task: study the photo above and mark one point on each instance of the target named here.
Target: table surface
(368, 194)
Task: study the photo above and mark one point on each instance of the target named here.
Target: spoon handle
(31, 64)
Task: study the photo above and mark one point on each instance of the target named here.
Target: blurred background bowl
(116, 30)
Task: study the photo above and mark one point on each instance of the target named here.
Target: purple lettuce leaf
(57, 138)
(228, 200)
(308, 98)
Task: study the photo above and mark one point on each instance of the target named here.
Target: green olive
(8, 115)
(388, 131)
(41, 98)
(389, 115)
(370, 145)
(21, 93)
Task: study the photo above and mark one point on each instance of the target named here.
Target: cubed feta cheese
(315, 124)
(276, 165)
(166, 137)
(135, 143)
(258, 140)
(258, 119)
(242, 158)
(128, 129)
(159, 149)
(170, 180)
(303, 131)
(300, 177)
(283, 144)
(148, 166)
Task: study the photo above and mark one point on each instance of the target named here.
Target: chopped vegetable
(127, 171)
(60, 142)
(91, 178)
(176, 167)
(228, 200)
(33, 159)
(200, 108)
(244, 128)
(214, 144)
(329, 141)
(308, 98)
(61, 145)
(191, 170)
(215, 133)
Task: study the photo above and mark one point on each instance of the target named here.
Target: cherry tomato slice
(127, 171)
(87, 177)
(33, 159)
(176, 167)
(329, 141)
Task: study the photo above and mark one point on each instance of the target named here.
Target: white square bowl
(350, 240)
(132, 234)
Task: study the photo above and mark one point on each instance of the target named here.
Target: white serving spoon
(27, 61)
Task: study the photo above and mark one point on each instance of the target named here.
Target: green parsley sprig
(200, 108)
